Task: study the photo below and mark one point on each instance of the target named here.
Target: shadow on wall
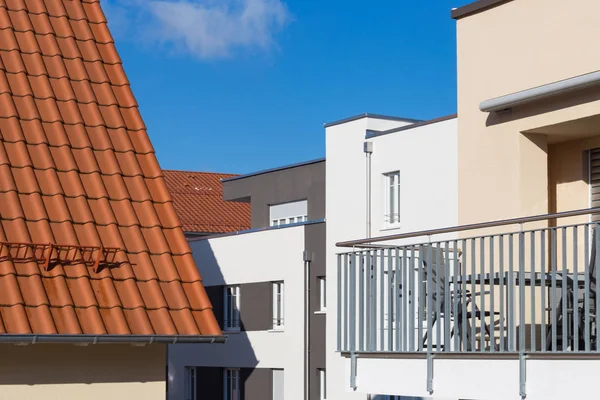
(211, 360)
(46, 364)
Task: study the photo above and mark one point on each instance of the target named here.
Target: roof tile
(76, 166)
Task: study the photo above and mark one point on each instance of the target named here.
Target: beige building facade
(92, 372)
(529, 159)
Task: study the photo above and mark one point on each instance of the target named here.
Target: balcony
(510, 313)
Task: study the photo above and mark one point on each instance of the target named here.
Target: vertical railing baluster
(463, 303)
(429, 290)
(575, 291)
(473, 322)
(482, 290)
(564, 299)
(438, 295)
(533, 274)
(345, 287)
(392, 314)
(510, 312)
(446, 284)
(369, 299)
(501, 280)
(522, 292)
(421, 302)
(398, 285)
(339, 302)
(404, 275)
(352, 309)
(456, 296)
(553, 272)
(586, 289)
(411, 300)
(382, 301)
(544, 274)
(374, 303)
(361, 303)
(492, 290)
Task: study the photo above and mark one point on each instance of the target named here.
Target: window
(392, 198)
(277, 384)
(191, 384)
(232, 308)
(278, 305)
(232, 383)
(322, 293)
(288, 213)
(322, 385)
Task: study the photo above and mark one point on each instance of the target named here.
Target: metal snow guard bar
(115, 339)
(469, 227)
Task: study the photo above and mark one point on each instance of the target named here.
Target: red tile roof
(198, 201)
(77, 167)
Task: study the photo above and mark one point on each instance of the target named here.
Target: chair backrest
(592, 265)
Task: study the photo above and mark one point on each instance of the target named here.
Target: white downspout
(368, 149)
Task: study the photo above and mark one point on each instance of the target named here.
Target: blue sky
(243, 85)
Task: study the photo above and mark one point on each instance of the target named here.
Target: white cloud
(207, 29)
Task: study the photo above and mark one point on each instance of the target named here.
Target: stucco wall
(426, 159)
(266, 256)
(62, 372)
(516, 46)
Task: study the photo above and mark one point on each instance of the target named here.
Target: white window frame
(231, 317)
(231, 384)
(278, 305)
(191, 391)
(322, 384)
(391, 200)
(322, 293)
(273, 381)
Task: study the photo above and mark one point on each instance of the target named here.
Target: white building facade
(412, 180)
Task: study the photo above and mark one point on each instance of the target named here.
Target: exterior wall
(426, 158)
(306, 181)
(502, 172)
(56, 371)
(254, 260)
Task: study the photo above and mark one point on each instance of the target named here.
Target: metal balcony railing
(523, 291)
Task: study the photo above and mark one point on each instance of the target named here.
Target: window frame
(191, 391)
(233, 375)
(322, 293)
(322, 384)
(391, 218)
(273, 380)
(278, 309)
(228, 325)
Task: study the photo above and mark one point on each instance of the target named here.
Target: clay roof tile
(77, 167)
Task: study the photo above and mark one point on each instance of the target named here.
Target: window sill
(276, 330)
(390, 227)
(320, 312)
(231, 330)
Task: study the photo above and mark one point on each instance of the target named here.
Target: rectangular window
(278, 384)
(322, 293)
(322, 385)
(288, 213)
(191, 392)
(231, 379)
(232, 308)
(392, 198)
(278, 305)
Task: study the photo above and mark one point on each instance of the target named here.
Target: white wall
(271, 255)
(427, 159)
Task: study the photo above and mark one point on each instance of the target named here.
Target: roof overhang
(113, 339)
(476, 7)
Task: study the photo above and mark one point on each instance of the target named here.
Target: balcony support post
(522, 375)
(353, 370)
(430, 373)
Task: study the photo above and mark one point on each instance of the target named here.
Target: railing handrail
(468, 227)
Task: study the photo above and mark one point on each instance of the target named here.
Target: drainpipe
(368, 149)
(307, 256)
